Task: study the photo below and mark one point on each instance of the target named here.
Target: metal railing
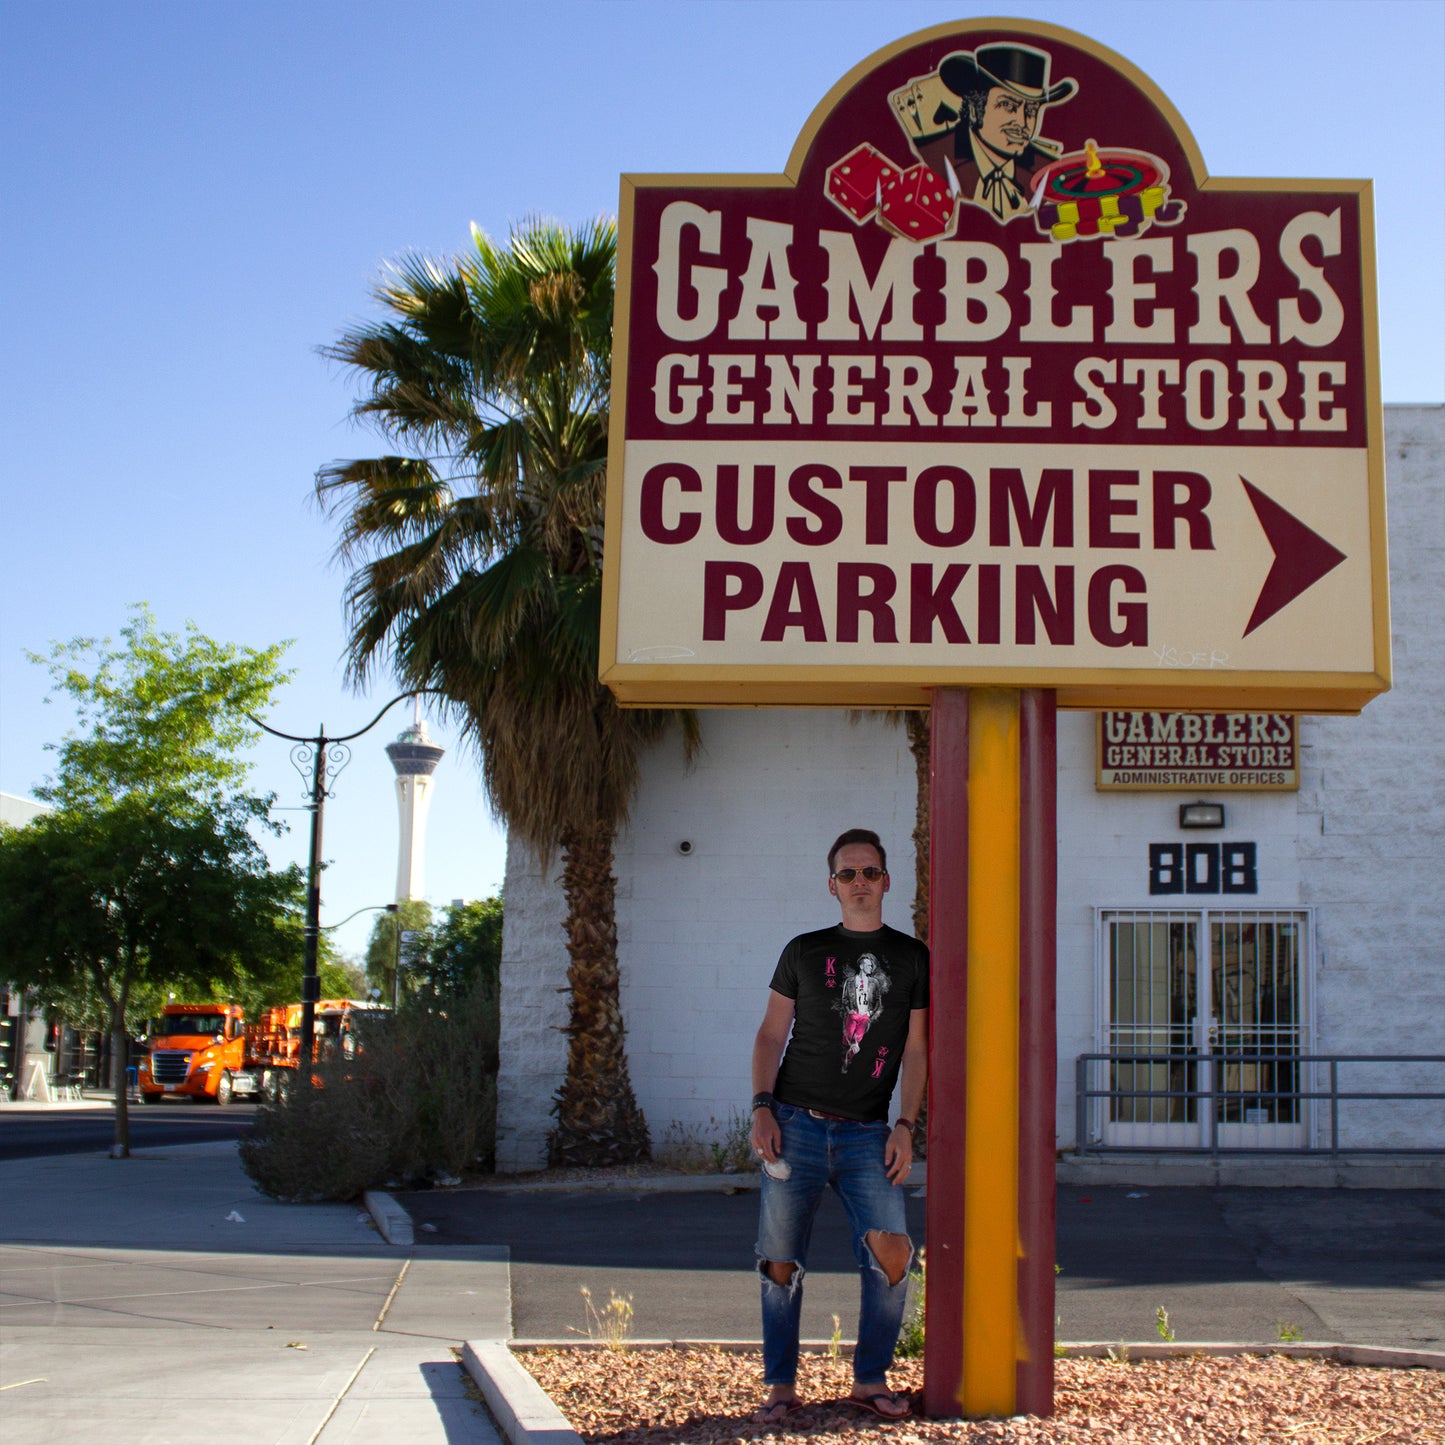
(1221, 1097)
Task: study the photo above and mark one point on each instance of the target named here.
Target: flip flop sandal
(788, 1407)
(870, 1403)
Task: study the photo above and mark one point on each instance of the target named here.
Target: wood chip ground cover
(700, 1396)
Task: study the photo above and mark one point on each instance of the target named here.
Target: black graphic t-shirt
(853, 994)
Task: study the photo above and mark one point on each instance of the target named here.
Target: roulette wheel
(1102, 192)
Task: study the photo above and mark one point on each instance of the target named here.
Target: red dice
(917, 203)
(854, 182)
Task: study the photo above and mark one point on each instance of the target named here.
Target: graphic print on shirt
(860, 1002)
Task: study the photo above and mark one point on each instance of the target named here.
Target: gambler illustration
(974, 126)
(982, 133)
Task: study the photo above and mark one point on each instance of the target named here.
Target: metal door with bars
(1218, 1001)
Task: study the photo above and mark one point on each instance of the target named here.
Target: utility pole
(325, 758)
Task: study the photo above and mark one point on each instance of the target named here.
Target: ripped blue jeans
(848, 1156)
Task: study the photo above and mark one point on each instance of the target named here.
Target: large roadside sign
(993, 385)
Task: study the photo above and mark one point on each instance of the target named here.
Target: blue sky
(197, 196)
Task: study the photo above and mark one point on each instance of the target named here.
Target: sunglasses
(847, 875)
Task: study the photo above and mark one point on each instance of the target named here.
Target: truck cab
(196, 1051)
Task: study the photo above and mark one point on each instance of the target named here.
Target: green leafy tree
(342, 978)
(147, 874)
(466, 947)
(385, 948)
(477, 564)
(278, 980)
(160, 718)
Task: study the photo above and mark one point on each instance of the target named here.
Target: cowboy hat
(1019, 69)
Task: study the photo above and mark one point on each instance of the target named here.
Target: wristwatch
(905, 1124)
(763, 1101)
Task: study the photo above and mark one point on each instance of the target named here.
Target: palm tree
(477, 562)
(916, 724)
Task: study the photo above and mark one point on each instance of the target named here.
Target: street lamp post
(392, 908)
(326, 757)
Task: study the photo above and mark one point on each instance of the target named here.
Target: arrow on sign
(1301, 557)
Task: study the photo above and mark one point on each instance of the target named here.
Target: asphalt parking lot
(1361, 1266)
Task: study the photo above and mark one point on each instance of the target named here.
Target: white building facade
(1312, 923)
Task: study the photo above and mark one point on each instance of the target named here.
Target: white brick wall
(698, 935)
(1362, 842)
(534, 1009)
(1372, 808)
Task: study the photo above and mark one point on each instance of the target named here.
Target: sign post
(989, 1330)
(995, 402)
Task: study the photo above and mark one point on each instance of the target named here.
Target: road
(32, 1133)
(1359, 1265)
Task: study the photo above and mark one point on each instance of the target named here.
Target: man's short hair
(975, 103)
(857, 835)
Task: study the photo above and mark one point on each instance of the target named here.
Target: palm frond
(381, 500)
(475, 557)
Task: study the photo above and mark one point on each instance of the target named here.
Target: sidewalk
(162, 1296)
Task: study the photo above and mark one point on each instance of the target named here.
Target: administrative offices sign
(1232, 751)
(994, 386)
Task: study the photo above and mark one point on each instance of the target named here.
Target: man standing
(992, 155)
(859, 991)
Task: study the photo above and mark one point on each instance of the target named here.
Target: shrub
(322, 1143)
(711, 1148)
(417, 1103)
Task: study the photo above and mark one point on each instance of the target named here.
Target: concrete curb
(524, 1412)
(1381, 1357)
(651, 1184)
(1120, 1170)
(1261, 1171)
(728, 1347)
(637, 1184)
(43, 1106)
(391, 1217)
(1385, 1357)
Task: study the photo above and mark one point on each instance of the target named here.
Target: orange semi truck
(198, 1051)
(207, 1051)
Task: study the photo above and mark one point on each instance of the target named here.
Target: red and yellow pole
(947, 1058)
(990, 1154)
(990, 1174)
(1038, 1043)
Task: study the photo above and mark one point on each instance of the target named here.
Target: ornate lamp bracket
(334, 758)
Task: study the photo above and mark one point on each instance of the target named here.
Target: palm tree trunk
(917, 725)
(919, 745)
(598, 1121)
